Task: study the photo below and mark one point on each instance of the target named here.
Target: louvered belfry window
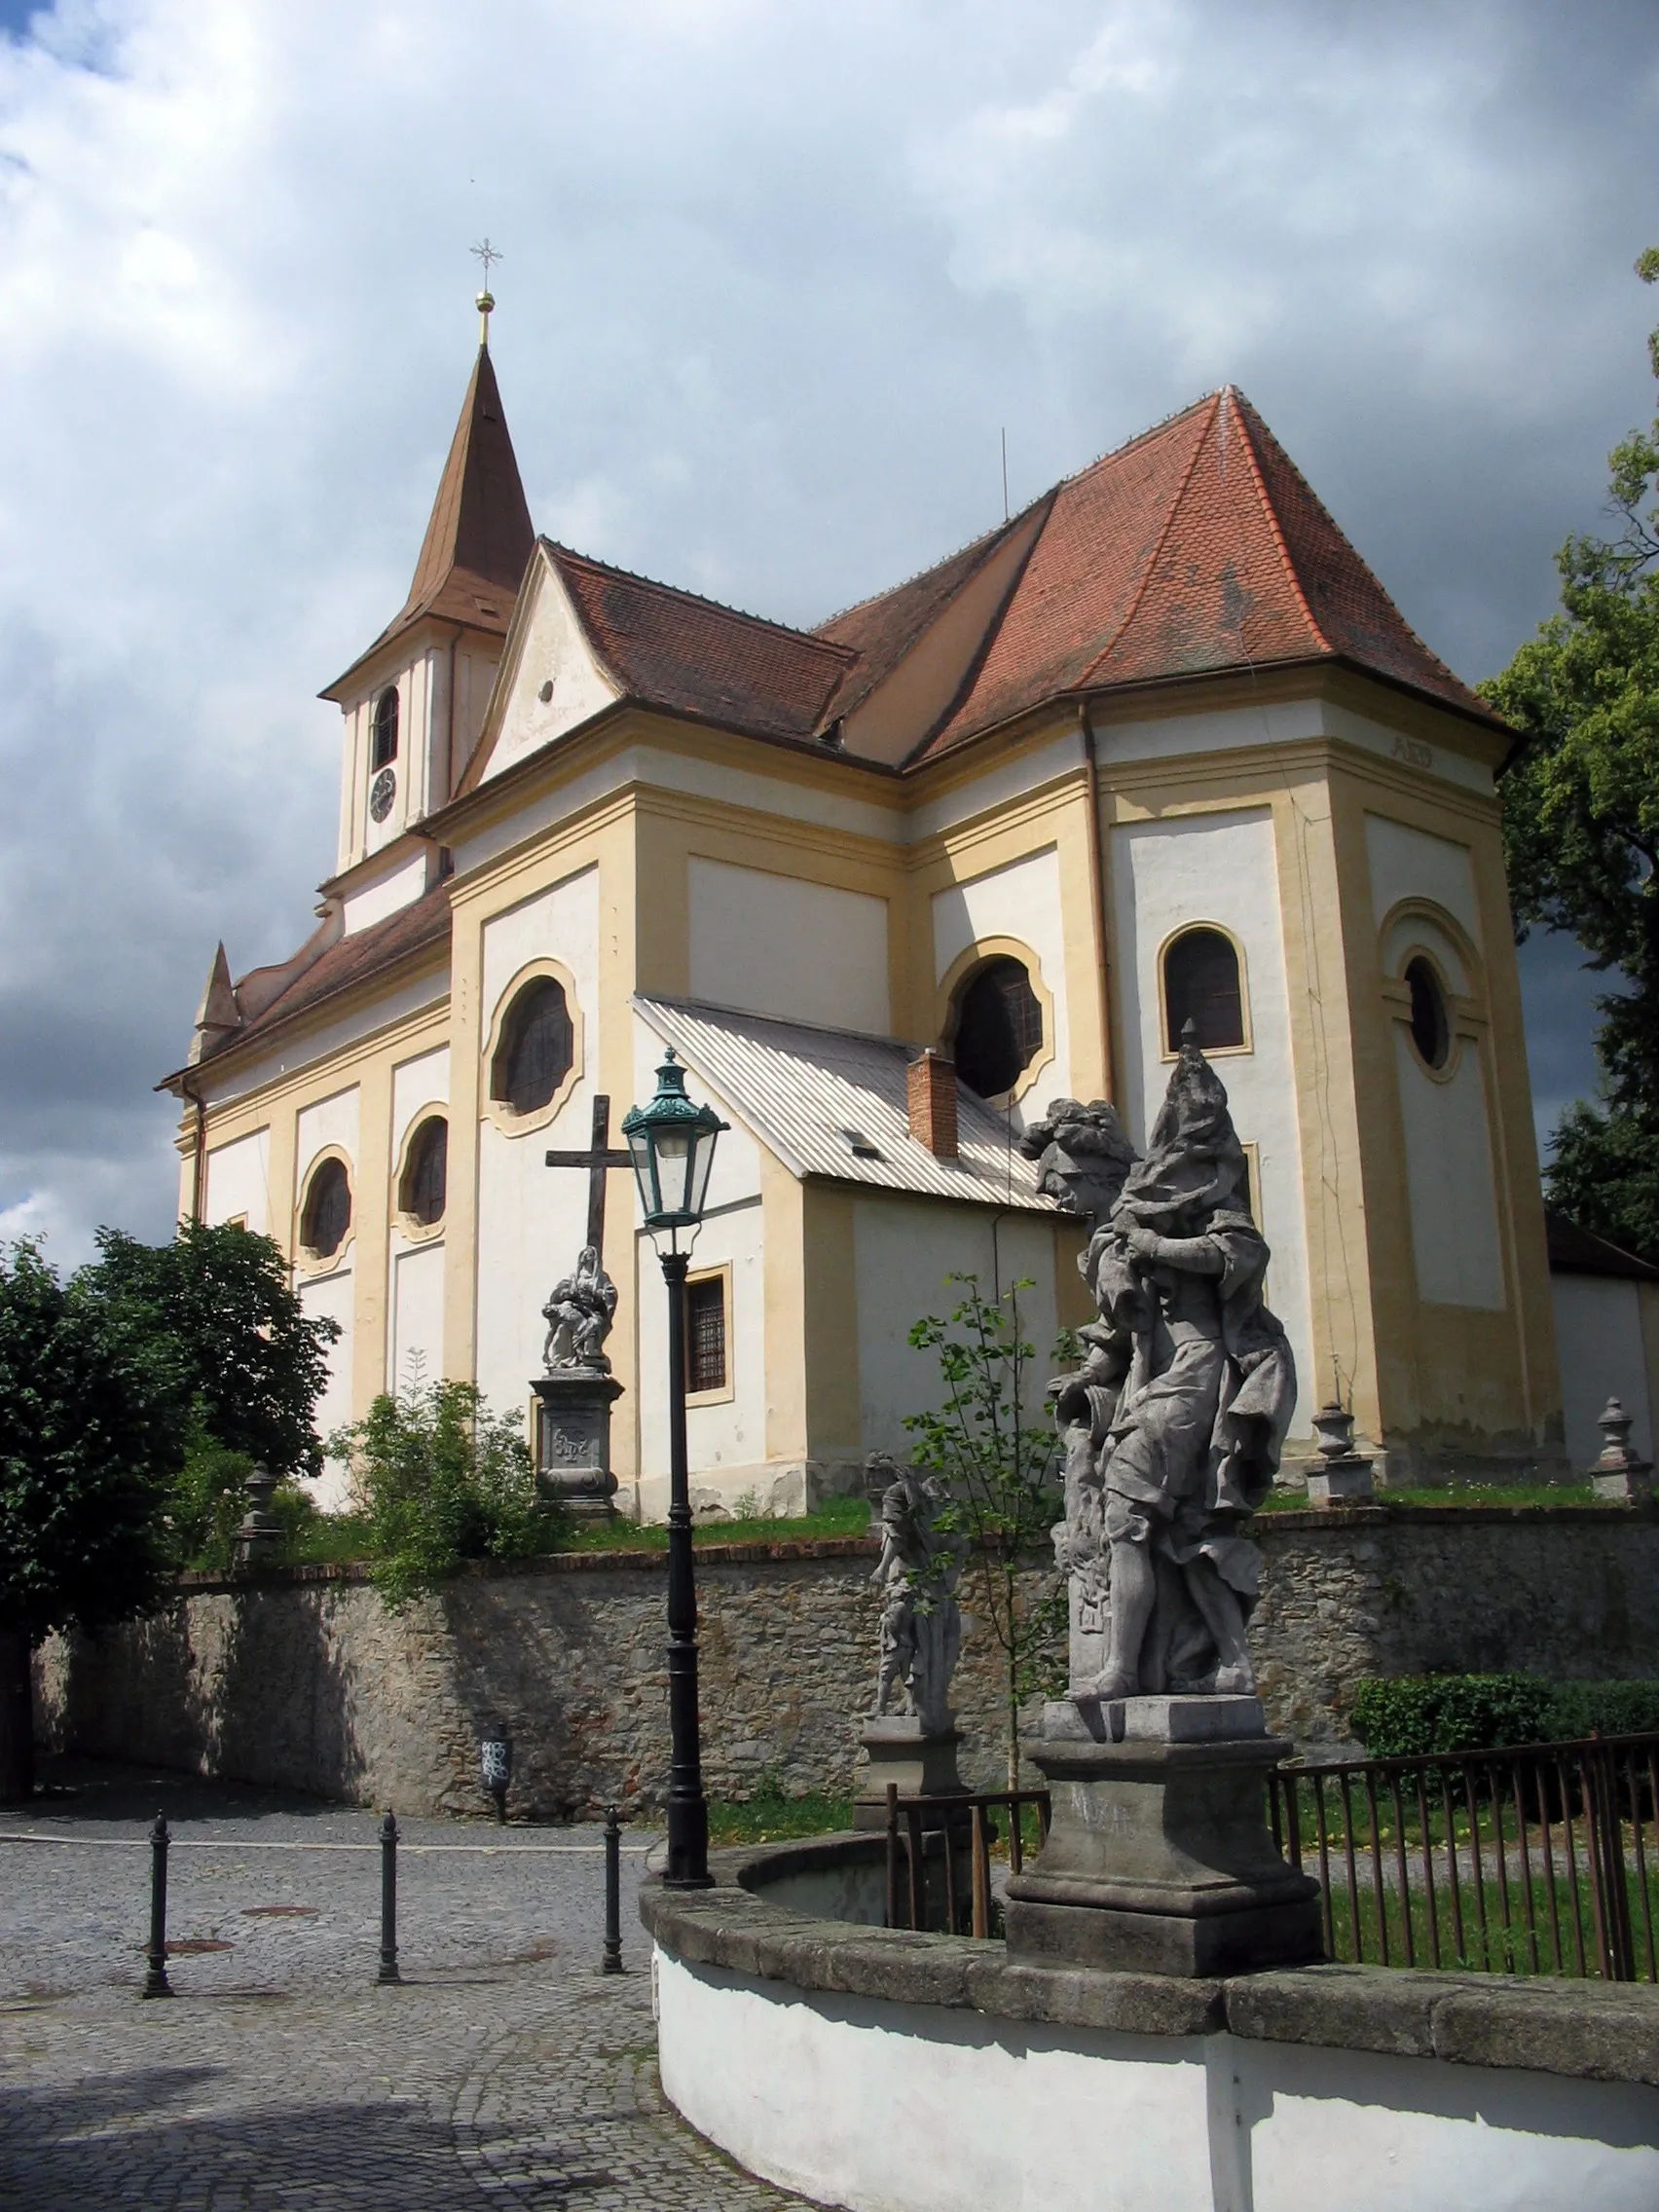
(1202, 985)
(706, 1334)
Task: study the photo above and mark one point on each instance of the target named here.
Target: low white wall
(909, 2108)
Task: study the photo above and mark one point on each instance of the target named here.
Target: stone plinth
(572, 1439)
(1340, 1481)
(1159, 1857)
(920, 1760)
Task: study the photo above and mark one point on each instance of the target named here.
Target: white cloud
(776, 275)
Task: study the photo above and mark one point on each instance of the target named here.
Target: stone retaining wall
(306, 1680)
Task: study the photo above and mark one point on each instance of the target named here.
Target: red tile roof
(671, 648)
(350, 960)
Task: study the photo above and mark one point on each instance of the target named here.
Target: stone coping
(757, 1551)
(1589, 2030)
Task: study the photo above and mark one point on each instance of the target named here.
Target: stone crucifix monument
(920, 1640)
(1158, 1857)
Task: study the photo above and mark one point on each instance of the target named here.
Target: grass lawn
(1458, 1494)
(769, 1816)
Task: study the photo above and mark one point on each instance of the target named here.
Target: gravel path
(504, 2069)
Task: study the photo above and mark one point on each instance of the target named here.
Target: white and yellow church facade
(1158, 747)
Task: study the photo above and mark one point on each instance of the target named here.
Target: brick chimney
(931, 1096)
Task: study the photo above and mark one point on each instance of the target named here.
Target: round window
(538, 1044)
(999, 1028)
(327, 1214)
(1431, 1027)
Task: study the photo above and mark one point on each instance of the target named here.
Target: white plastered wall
(415, 1320)
(1220, 868)
(1444, 1117)
(552, 650)
(1603, 1354)
(332, 1123)
(725, 1440)
(531, 1218)
(1022, 902)
(239, 1182)
(801, 951)
(905, 1251)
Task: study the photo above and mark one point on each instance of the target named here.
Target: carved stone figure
(1174, 1422)
(1083, 1153)
(921, 1622)
(579, 1315)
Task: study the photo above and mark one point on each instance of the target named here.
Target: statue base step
(921, 1763)
(1159, 1858)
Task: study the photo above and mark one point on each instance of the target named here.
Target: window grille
(537, 1047)
(999, 1028)
(1200, 986)
(706, 1334)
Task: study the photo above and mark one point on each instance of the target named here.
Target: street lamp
(671, 1143)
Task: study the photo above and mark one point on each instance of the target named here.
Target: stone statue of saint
(921, 1622)
(1173, 1424)
(580, 1314)
(1083, 1153)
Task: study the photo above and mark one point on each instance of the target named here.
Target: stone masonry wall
(306, 1680)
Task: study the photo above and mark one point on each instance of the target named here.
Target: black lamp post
(672, 1142)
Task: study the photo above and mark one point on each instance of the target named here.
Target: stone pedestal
(1159, 1857)
(920, 1760)
(572, 1439)
(1341, 1476)
(1620, 1475)
(259, 1533)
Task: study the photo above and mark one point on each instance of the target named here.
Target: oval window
(425, 1187)
(327, 1214)
(538, 1044)
(1432, 1026)
(1200, 986)
(999, 1027)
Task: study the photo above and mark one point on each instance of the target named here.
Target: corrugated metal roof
(831, 1104)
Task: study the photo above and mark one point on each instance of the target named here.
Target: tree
(94, 1413)
(1001, 1471)
(443, 1480)
(1582, 826)
(256, 1362)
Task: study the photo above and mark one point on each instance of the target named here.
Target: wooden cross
(598, 1160)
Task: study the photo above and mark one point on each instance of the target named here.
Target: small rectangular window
(706, 1334)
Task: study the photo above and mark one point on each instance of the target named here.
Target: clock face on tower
(381, 791)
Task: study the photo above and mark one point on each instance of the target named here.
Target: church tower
(413, 702)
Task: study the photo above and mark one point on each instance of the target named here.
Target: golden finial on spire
(486, 254)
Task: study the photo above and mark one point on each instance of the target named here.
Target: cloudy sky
(776, 273)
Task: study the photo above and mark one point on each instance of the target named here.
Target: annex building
(1158, 747)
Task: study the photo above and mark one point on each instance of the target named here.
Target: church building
(1158, 748)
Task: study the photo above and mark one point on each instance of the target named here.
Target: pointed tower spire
(479, 538)
(218, 1014)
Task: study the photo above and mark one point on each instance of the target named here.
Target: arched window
(384, 749)
(999, 1027)
(423, 1188)
(1200, 986)
(536, 1049)
(328, 1212)
(1431, 1027)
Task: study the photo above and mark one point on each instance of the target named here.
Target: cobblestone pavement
(503, 2069)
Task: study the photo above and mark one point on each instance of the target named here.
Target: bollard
(389, 1900)
(156, 1982)
(612, 1961)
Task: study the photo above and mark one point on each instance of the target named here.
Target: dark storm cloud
(776, 276)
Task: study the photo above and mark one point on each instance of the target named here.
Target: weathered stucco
(305, 1680)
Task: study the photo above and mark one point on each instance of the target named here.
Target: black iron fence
(939, 1856)
(1535, 1858)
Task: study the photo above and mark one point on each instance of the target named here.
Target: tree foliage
(1581, 824)
(442, 1480)
(94, 1414)
(1001, 1470)
(256, 1362)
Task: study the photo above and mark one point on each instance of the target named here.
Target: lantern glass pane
(644, 1171)
(703, 1161)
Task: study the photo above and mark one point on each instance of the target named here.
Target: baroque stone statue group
(1173, 1424)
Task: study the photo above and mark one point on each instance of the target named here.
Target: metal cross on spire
(489, 256)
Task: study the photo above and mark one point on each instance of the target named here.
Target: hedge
(1403, 1717)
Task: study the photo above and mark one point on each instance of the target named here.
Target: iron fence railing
(931, 1836)
(1535, 1858)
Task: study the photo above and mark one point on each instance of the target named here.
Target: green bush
(442, 1480)
(1412, 1714)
